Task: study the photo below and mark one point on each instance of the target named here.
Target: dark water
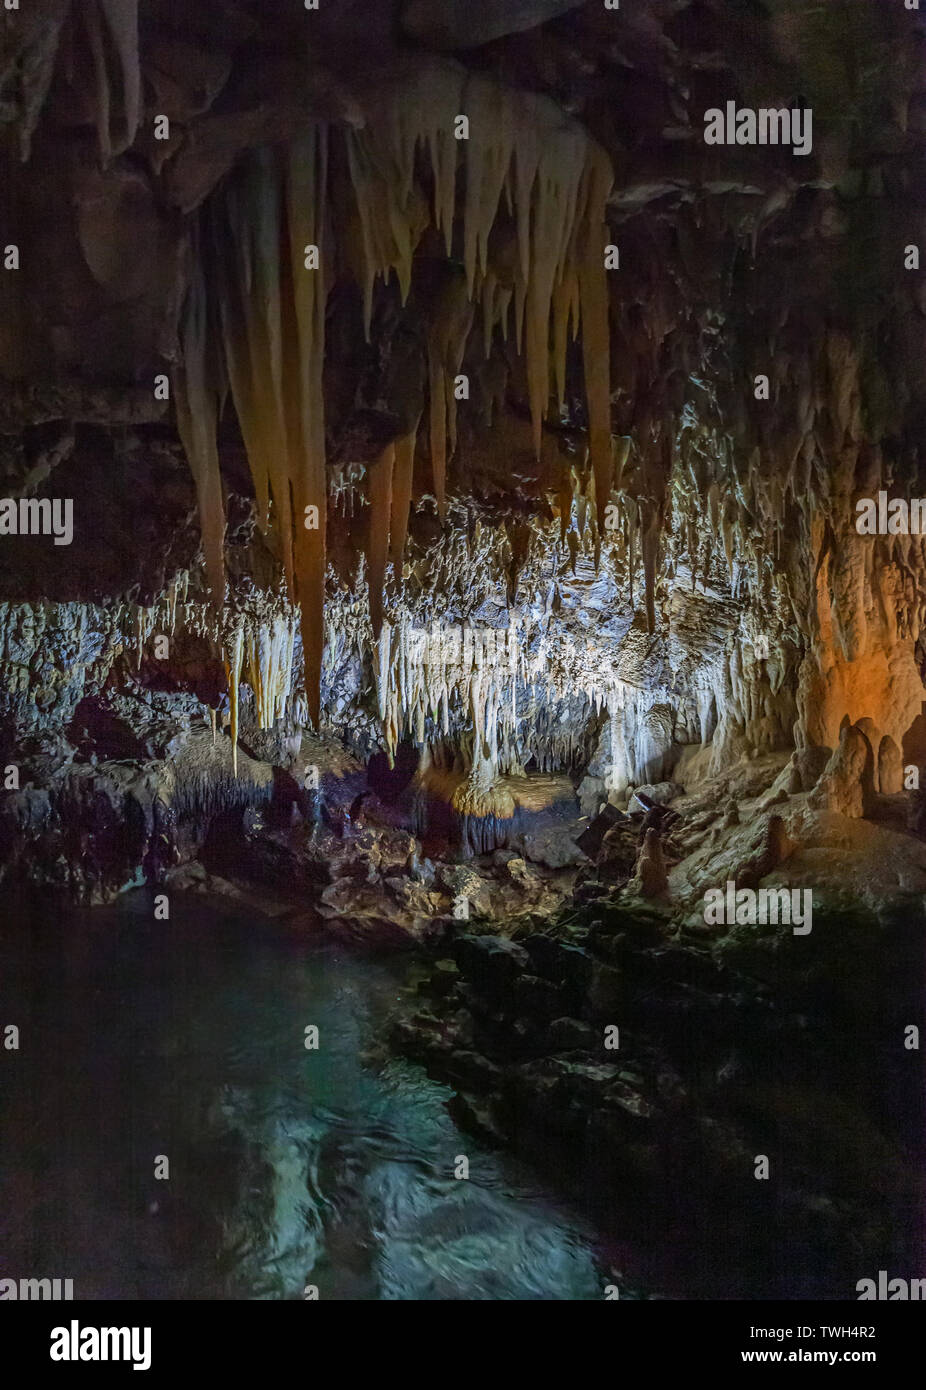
(334, 1167)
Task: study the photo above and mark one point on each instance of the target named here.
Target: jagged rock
(773, 847)
(810, 763)
(491, 964)
(465, 883)
(517, 870)
(362, 912)
(537, 998)
(567, 965)
(606, 993)
(477, 1116)
(592, 794)
(636, 922)
(570, 1034)
(916, 813)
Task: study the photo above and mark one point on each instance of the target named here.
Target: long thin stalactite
(522, 160)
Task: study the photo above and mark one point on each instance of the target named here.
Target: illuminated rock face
(864, 664)
(533, 440)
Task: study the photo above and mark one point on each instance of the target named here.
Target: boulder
(592, 837)
(461, 882)
(554, 848)
(619, 848)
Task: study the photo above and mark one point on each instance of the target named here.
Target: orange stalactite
(380, 499)
(555, 181)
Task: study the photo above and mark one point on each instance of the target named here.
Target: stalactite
(650, 538)
(272, 305)
(402, 477)
(115, 21)
(233, 659)
(306, 183)
(596, 353)
(382, 669)
(488, 160)
(197, 397)
(621, 454)
(247, 245)
(448, 329)
(391, 222)
(566, 311)
(561, 182)
(380, 496)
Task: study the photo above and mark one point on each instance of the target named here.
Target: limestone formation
(650, 879)
(466, 411)
(847, 782)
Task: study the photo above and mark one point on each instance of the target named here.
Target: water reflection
(334, 1167)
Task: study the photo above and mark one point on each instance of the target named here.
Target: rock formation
(523, 425)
